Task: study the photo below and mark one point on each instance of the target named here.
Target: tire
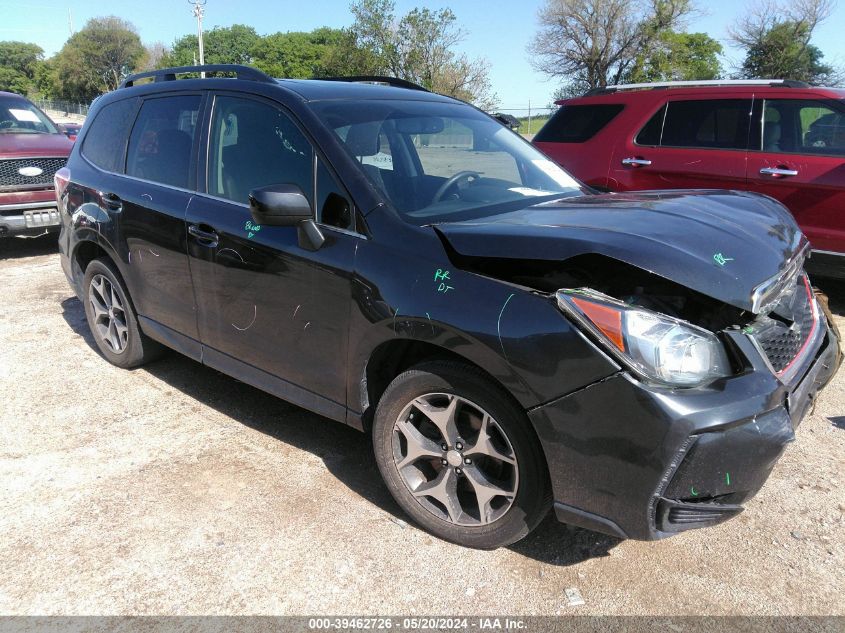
(112, 319)
(490, 487)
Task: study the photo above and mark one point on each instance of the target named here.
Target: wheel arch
(392, 357)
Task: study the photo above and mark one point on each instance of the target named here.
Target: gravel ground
(173, 489)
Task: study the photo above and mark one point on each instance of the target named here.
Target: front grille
(782, 333)
(10, 176)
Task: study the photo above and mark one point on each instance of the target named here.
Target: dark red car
(32, 150)
(781, 138)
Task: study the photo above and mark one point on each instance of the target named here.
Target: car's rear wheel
(459, 456)
(112, 319)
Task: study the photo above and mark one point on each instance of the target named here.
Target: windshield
(19, 116)
(439, 162)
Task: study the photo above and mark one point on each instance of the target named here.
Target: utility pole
(199, 12)
(70, 20)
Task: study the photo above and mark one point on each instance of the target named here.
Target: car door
(798, 157)
(160, 178)
(270, 311)
(689, 143)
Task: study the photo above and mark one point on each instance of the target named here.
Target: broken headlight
(655, 346)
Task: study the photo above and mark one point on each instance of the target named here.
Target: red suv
(781, 138)
(32, 150)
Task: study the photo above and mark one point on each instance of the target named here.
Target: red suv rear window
(577, 123)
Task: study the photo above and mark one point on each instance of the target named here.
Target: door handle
(204, 236)
(636, 162)
(778, 172)
(111, 201)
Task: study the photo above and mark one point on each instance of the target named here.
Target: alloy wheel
(109, 314)
(455, 459)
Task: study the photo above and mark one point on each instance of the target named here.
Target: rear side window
(577, 123)
(162, 139)
(714, 124)
(105, 142)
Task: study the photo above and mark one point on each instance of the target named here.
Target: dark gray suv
(403, 263)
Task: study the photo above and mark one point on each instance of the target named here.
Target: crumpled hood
(723, 244)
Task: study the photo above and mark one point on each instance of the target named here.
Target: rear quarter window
(104, 144)
(577, 123)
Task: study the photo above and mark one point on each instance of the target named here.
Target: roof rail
(783, 83)
(169, 74)
(377, 79)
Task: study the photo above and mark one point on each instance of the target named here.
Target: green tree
(777, 37)
(19, 63)
(97, 58)
(298, 54)
(230, 45)
(593, 43)
(784, 52)
(679, 57)
(419, 46)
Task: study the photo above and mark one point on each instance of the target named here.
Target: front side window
(19, 116)
(162, 139)
(254, 144)
(442, 161)
(577, 123)
(803, 126)
(707, 124)
(105, 142)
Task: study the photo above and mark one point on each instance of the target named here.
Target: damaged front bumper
(638, 461)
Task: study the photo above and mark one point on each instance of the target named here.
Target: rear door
(160, 180)
(688, 143)
(271, 312)
(798, 157)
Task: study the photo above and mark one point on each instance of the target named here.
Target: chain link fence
(65, 107)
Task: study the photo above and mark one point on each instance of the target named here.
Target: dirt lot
(175, 490)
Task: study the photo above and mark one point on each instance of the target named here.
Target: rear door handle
(210, 238)
(636, 162)
(778, 172)
(111, 201)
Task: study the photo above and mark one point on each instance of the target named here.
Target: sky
(499, 31)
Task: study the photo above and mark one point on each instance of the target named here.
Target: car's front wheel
(459, 456)
(112, 318)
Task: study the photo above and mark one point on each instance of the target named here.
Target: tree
(230, 45)
(19, 63)
(776, 39)
(97, 58)
(297, 54)
(678, 57)
(593, 43)
(419, 47)
(153, 56)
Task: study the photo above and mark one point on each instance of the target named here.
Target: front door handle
(636, 162)
(778, 172)
(210, 238)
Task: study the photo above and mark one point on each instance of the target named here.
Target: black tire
(137, 347)
(533, 495)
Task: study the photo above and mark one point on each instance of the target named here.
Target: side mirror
(279, 205)
(286, 205)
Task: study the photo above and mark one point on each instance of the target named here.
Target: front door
(269, 311)
(798, 158)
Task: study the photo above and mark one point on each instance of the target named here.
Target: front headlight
(657, 347)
